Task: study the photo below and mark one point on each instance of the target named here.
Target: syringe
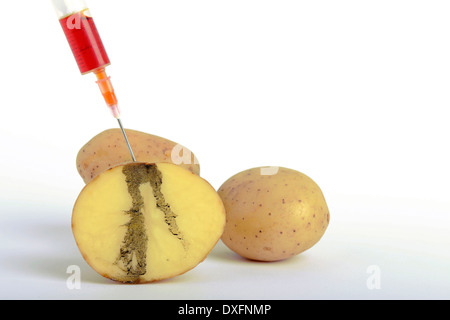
(88, 50)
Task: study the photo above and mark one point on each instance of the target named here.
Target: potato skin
(272, 216)
(108, 149)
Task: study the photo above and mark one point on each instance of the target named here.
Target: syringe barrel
(82, 35)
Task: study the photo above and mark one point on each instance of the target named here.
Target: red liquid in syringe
(85, 42)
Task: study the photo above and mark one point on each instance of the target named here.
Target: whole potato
(108, 149)
(273, 213)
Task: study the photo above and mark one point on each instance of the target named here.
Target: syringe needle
(106, 87)
(126, 140)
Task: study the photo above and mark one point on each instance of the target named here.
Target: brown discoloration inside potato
(132, 256)
(169, 215)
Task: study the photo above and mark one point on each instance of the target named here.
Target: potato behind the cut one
(108, 149)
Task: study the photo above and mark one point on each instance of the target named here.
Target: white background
(355, 94)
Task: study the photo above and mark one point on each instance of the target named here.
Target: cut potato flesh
(143, 222)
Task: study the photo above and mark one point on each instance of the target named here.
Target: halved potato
(142, 222)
